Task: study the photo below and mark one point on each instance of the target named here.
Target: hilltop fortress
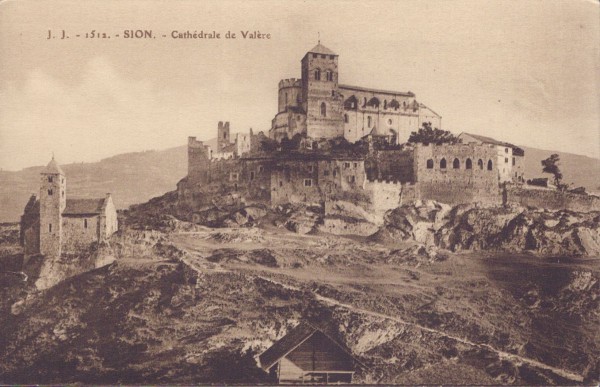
(331, 142)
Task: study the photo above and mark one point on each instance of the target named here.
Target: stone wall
(361, 116)
(79, 232)
(198, 161)
(318, 92)
(387, 195)
(550, 199)
(314, 179)
(457, 173)
(428, 115)
(290, 94)
(394, 165)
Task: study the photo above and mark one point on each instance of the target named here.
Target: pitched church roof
(320, 49)
(84, 206)
(53, 168)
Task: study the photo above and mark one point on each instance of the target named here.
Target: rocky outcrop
(515, 229)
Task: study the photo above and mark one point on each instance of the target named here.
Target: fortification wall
(198, 161)
(295, 181)
(290, 93)
(457, 173)
(550, 199)
(387, 195)
(395, 165)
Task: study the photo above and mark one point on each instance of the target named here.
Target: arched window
(456, 164)
(443, 164)
(469, 164)
(490, 165)
(368, 121)
(329, 75)
(323, 109)
(480, 163)
(345, 118)
(317, 75)
(373, 102)
(351, 103)
(430, 164)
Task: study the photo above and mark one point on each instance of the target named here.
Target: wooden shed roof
(292, 340)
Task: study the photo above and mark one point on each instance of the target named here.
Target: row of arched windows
(352, 103)
(456, 164)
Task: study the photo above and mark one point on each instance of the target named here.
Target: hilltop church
(317, 106)
(53, 225)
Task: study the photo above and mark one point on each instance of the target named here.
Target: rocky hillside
(513, 229)
(183, 303)
(137, 177)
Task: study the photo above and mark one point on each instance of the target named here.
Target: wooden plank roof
(292, 340)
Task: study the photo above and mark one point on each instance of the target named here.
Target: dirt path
(330, 301)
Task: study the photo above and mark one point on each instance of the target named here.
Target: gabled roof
(292, 340)
(484, 139)
(84, 206)
(321, 49)
(52, 168)
(286, 344)
(421, 105)
(488, 140)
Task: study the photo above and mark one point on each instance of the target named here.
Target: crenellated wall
(290, 94)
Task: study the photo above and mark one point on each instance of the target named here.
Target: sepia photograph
(266, 192)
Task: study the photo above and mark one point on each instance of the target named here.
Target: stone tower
(320, 97)
(53, 201)
(224, 137)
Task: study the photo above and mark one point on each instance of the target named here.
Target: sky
(524, 71)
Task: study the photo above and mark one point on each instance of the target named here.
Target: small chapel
(52, 225)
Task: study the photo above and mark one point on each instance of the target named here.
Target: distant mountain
(130, 177)
(137, 177)
(581, 171)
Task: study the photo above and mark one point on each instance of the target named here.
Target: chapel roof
(52, 168)
(84, 206)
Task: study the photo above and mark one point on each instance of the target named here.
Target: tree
(550, 165)
(429, 135)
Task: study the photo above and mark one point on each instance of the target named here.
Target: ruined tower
(320, 97)
(53, 201)
(224, 137)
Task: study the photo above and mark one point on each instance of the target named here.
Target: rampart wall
(395, 165)
(550, 199)
(457, 173)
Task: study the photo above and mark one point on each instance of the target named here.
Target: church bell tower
(320, 97)
(52, 204)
